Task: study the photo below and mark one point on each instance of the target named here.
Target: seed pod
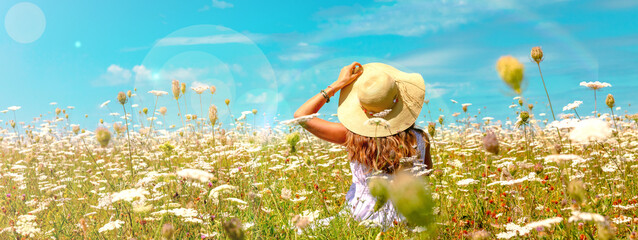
(162, 111)
(227, 101)
(183, 88)
(58, 111)
(432, 129)
(121, 97)
(255, 111)
(610, 101)
(129, 93)
(145, 111)
(441, 120)
(530, 106)
(524, 117)
(537, 54)
(212, 89)
(175, 88)
(212, 115)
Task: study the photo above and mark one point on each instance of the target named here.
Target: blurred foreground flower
(233, 229)
(412, 199)
(490, 143)
(511, 71)
(168, 230)
(576, 190)
(292, 140)
(379, 190)
(103, 136)
(590, 130)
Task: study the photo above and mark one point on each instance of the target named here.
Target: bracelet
(325, 95)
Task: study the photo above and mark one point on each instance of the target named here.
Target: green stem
(549, 100)
(129, 144)
(153, 117)
(180, 114)
(577, 114)
(595, 105)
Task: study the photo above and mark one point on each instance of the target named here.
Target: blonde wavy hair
(385, 153)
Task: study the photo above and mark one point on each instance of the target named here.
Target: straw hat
(383, 92)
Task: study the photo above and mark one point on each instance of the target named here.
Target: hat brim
(404, 113)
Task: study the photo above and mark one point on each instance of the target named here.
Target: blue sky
(273, 56)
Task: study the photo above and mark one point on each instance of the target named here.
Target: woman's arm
(329, 131)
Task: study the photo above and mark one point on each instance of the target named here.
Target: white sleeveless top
(361, 202)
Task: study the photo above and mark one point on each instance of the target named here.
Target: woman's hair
(383, 153)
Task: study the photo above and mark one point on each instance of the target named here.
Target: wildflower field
(535, 178)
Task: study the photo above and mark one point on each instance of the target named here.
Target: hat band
(382, 113)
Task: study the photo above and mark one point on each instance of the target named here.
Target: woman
(378, 106)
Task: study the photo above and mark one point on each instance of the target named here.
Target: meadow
(531, 178)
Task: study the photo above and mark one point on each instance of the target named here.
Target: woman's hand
(348, 75)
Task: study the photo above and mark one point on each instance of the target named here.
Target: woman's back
(359, 199)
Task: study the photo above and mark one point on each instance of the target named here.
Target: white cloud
(184, 74)
(434, 91)
(435, 58)
(266, 72)
(261, 98)
(141, 73)
(115, 75)
(213, 39)
(409, 17)
(236, 68)
(616, 4)
(222, 4)
(287, 76)
(303, 56)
